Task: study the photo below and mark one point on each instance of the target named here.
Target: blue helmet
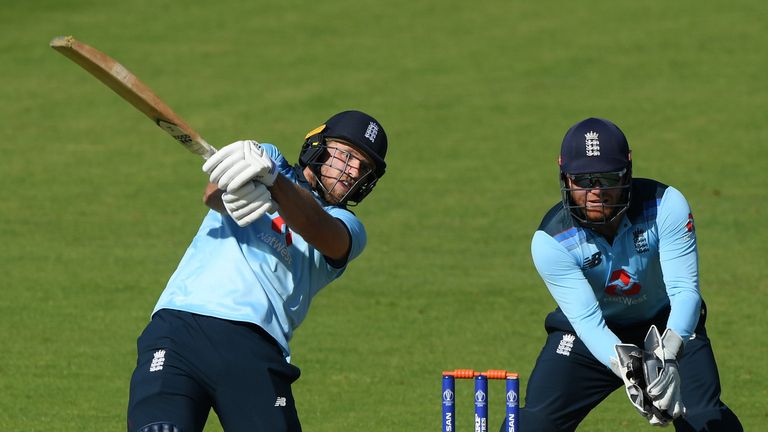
(360, 130)
(596, 154)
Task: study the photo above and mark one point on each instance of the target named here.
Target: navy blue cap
(594, 145)
(362, 131)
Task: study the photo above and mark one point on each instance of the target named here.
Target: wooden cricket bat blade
(130, 88)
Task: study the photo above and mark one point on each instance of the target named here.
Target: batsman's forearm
(305, 216)
(212, 198)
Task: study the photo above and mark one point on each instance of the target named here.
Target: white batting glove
(662, 373)
(239, 163)
(248, 203)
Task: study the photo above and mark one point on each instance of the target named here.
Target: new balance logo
(566, 345)
(592, 261)
(158, 361)
(280, 402)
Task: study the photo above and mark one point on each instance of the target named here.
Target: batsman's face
(599, 203)
(343, 169)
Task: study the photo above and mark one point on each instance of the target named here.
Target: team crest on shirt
(641, 243)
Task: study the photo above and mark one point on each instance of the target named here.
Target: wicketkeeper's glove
(628, 365)
(662, 375)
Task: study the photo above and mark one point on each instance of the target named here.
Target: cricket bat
(130, 88)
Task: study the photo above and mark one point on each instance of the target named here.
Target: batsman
(619, 256)
(276, 233)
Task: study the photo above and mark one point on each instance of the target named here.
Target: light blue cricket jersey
(263, 273)
(652, 264)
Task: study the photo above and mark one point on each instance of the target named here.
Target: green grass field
(475, 97)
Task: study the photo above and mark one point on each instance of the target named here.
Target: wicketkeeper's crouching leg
(565, 385)
(701, 390)
(568, 382)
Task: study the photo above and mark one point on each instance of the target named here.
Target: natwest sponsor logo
(623, 289)
(621, 284)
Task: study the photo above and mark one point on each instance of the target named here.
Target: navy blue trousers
(189, 364)
(568, 382)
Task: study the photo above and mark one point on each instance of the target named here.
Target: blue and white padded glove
(244, 171)
(239, 163)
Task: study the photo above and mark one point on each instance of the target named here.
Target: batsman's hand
(239, 163)
(628, 365)
(248, 203)
(662, 374)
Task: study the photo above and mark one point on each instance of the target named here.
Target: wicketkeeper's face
(342, 169)
(598, 195)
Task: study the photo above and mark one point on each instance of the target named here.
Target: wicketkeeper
(275, 236)
(619, 257)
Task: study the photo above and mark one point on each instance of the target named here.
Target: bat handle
(210, 152)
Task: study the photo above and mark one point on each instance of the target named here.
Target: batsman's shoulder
(349, 219)
(355, 228)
